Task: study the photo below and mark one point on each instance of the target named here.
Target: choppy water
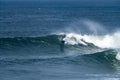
(31, 48)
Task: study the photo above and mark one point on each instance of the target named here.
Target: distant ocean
(31, 35)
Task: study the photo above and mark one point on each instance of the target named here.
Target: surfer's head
(62, 42)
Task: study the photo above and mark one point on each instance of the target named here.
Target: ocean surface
(59, 40)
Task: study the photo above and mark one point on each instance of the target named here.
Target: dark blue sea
(60, 40)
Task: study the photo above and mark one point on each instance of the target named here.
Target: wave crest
(102, 41)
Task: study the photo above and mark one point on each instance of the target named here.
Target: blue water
(31, 34)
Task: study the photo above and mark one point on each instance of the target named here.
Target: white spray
(103, 41)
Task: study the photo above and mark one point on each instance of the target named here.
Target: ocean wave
(75, 45)
(107, 57)
(44, 41)
(102, 41)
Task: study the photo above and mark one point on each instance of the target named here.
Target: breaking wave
(77, 47)
(102, 41)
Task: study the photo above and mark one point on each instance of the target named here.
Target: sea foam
(102, 41)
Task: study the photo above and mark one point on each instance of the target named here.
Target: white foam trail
(104, 41)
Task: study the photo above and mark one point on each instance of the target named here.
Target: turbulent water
(31, 36)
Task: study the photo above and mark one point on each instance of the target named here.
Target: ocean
(42, 40)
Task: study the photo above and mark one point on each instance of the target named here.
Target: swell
(107, 57)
